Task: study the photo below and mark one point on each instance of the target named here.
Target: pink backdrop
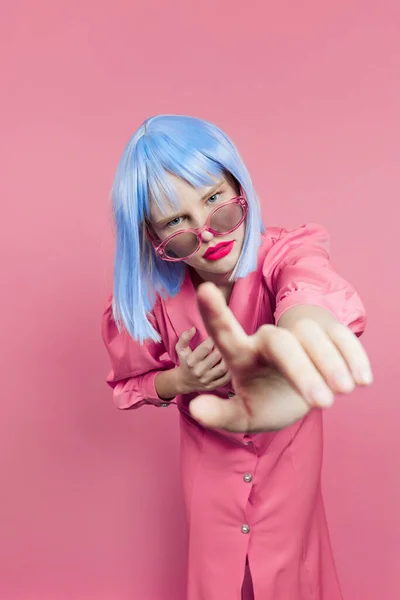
(90, 503)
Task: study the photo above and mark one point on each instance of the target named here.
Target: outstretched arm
(280, 372)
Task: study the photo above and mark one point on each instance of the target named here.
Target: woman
(207, 300)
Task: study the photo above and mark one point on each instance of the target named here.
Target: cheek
(194, 262)
(240, 233)
(159, 234)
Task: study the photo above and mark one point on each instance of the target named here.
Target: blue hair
(196, 151)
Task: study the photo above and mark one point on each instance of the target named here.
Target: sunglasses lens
(226, 218)
(182, 245)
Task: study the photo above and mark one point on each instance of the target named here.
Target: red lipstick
(218, 251)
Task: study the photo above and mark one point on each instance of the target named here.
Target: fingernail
(344, 381)
(364, 376)
(321, 396)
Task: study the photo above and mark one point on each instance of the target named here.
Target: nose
(207, 236)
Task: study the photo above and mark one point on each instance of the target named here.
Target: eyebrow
(209, 193)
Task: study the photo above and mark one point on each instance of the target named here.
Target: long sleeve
(133, 366)
(297, 270)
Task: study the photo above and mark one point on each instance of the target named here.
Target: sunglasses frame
(160, 248)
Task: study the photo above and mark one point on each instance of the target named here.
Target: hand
(278, 376)
(201, 369)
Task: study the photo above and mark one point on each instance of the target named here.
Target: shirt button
(245, 529)
(248, 477)
(164, 404)
(231, 394)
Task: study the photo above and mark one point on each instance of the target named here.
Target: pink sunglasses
(192, 238)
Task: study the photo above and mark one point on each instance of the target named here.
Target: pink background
(90, 503)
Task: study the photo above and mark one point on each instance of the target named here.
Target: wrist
(170, 383)
(181, 385)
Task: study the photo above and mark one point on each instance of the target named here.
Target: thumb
(216, 413)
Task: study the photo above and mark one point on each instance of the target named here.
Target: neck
(221, 281)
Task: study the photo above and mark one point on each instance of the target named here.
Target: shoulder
(279, 242)
(112, 328)
(307, 245)
(303, 233)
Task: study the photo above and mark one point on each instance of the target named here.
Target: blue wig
(196, 151)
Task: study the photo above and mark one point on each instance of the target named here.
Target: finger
(214, 378)
(227, 333)
(182, 347)
(211, 360)
(353, 353)
(201, 352)
(281, 348)
(283, 407)
(216, 413)
(217, 372)
(325, 355)
(203, 368)
(219, 383)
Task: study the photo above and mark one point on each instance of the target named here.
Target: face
(194, 206)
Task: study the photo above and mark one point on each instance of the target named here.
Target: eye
(175, 222)
(214, 198)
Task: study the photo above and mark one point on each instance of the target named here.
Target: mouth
(218, 251)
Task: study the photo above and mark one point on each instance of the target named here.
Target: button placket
(247, 477)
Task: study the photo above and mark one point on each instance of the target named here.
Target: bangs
(187, 157)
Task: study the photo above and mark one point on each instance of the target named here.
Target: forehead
(185, 195)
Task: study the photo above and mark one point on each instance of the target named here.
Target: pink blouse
(254, 496)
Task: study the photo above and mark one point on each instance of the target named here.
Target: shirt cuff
(148, 389)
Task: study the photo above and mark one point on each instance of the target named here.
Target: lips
(210, 251)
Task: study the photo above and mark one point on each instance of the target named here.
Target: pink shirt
(259, 495)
